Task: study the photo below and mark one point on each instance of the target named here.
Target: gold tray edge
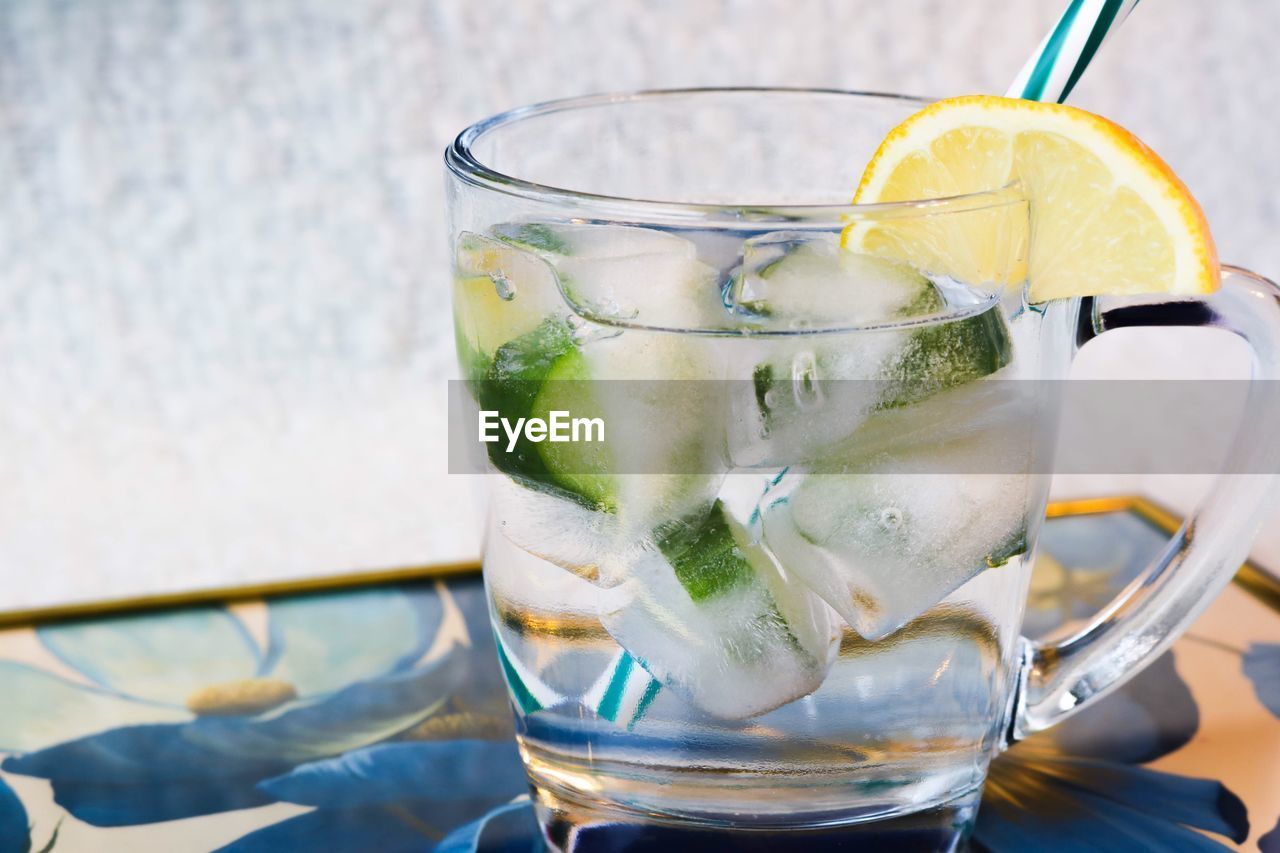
(231, 594)
(1263, 585)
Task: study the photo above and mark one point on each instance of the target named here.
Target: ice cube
(810, 391)
(804, 392)
(802, 396)
(656, 453)
(659, 399)
(562, 532)
(708, 614)
(1014, 416)
(597, 545)
(551, 645)
(803, 279)
(884, 545)
(592, 240)
(500, 294)
(625, 274)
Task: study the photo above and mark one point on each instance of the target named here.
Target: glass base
(575, 827)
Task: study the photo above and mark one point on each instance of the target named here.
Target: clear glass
(789, 597)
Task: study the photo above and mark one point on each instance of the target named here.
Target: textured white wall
(223, 313)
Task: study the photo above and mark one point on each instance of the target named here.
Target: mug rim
(462, 162)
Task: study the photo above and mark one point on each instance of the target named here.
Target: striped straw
(623, 692)
(621, 695)
(1051, 73)
(529, 692)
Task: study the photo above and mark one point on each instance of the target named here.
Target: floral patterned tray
(374, 718)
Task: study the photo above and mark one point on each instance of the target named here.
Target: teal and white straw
(528, 691)
(1067, 50)
(623, 692)
(621, 695)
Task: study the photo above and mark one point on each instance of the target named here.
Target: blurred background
(224, 318)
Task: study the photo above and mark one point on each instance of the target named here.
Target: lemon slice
(1107, 215)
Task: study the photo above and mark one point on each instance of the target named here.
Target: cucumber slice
(704, 554)
(660, 454)
(714, 556)
(812, 392)
(587, 469)
(660, 457)
(511, 386)
(936, 358)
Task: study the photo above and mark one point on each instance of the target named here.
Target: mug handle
(1056, 679)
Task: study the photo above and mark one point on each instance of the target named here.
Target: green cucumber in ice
(945, 355)
(707, 613)
(511, 388)
(816, 284)
(715, 559)
(631, 469)
(584, 468)
(533, 236)
(704, 554)
(657, 458)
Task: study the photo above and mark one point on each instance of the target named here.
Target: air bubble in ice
(586, 333)
(503, 285)
(608, 307)
(891, 518)
(804, 379)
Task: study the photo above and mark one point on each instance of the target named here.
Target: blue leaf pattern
(161, 657)
(355, 716)
(321, 643)
(340, 831)
(405, 825)
(440, 770)
(15, 835)
(135, 774)
(362, 746)
(1262, 667)
(1270, 843)
(145, 774)
(510, 828)
(1080, 786)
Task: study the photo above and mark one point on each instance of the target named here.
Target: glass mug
(752, 621)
